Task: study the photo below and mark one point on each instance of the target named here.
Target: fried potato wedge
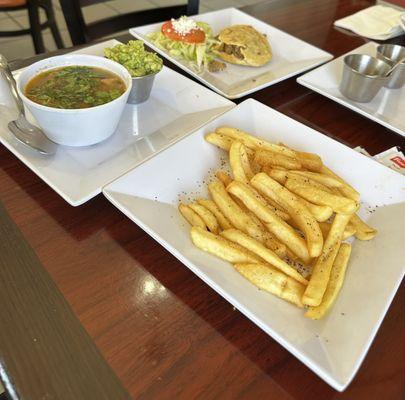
(298, 212)
(337, 275)
(191, 216)
(253, 142)
(339, 204)
(269, 279)
(270, 158)
(327, 180)
(210, 205)
(235, 214)
(321, 270)
(346, 190)
(261, 251)
(277, 226)
(363, 231)
(207, 216)
(220, 247)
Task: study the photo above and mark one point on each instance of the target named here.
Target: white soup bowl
(76, 127)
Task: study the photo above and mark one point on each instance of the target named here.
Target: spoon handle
(5, 69)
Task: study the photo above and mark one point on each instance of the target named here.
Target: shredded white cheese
(184, 25)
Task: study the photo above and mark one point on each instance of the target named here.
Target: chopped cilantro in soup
(75, 87)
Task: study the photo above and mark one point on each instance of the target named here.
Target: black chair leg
(33, 14)
(50, 15)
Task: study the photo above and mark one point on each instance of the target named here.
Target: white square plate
(386, 108)
(291, 56)
(331, 347)
(177, 106)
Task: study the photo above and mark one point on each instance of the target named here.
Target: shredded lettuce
(199, 55)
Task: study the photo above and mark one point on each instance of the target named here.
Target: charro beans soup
(74, 87)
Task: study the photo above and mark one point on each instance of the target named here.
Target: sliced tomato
(194, 36)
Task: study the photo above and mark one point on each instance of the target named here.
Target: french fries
(224, 142)
(278, 209)
(211, 206)
(269, 158)
(207, 216)
(284, 232)
(310, 161)
(280, 219)
(239, 162)
(298, 212)
(220, 247)
(327, 180)
(238, 218)
(272, 243)
(347, 190)
(339, 204)
(321, 271)
(221, 141)
(253, 142)
(223, 177)
(269, 279)
(363, 231)
(260, 250)
(243, 216)
(337, 275)
(191, 216)
(306, 181)
(278, 174)
(320, 213)
(349, 231)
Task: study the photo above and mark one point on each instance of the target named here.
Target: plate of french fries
(299, 232)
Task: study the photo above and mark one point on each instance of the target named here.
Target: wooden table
(184, 341)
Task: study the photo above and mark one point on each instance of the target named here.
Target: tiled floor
(21, 46)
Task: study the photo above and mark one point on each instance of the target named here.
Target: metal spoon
(26, 133)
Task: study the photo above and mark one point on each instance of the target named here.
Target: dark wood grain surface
(162, 330)
(39, 332)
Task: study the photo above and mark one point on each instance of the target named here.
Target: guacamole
(135, 58)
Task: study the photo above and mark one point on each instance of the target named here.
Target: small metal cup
(363, 76)
(392, 54)
(141, 88)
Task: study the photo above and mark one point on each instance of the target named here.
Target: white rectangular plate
(385, 108)
(335, 346)
(177, 106)
(291, 56)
